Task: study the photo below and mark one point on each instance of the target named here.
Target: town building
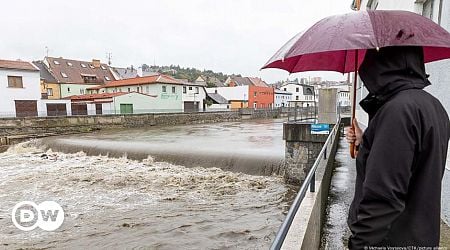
(73, 77)
(236, 96)
(20, 94)
(302, 95)
(113, 103)
(194, 96)
(282, 98)
(168, 91)
(439, 12)
(245, 81)
(247, 96)
(216, 102)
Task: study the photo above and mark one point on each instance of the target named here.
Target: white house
(20, 92)
(302, 95)
(166, 89)
(194, 96)
(439, 12)
(282, 98)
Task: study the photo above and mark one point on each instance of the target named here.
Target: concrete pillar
(302, 149)
(327, 106)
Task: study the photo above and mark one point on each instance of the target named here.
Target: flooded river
(123, 203)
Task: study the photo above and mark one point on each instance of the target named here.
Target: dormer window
(89, 78)
(69, 63)
(83, 65)
(107, 78)
(63, 74)
(56, 62)
(91, 66)
(104, 68)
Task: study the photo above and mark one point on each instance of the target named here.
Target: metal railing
(309, 182)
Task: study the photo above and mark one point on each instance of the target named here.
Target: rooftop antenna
(109, 56)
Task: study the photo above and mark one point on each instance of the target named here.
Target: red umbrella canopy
(331, 43)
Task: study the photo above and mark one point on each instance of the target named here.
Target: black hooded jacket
(401, 159)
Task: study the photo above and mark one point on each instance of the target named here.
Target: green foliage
(189, 73)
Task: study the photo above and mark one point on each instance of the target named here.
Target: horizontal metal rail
(308, 182)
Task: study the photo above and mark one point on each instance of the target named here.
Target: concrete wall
(306, 228)
(327, 106)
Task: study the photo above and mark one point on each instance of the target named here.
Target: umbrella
(338, 43)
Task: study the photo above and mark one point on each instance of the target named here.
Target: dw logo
(48, 215)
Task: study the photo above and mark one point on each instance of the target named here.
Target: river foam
(118, 202)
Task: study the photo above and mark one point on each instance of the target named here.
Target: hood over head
(390, 70)
(385, 71)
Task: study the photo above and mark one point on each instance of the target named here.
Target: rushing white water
(117, 202)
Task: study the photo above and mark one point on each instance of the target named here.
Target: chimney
(96, 63)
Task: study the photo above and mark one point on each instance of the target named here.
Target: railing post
(312, 183)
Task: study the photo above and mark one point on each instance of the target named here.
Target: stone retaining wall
(13, 130)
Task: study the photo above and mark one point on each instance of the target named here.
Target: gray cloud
(232, 36)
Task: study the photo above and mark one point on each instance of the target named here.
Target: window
(56, 62)
(15, 82)
(129, 90)
(190, 87)
(69, 63)
(103, 67)
(254, 94)
(285, 89)
(107, 78)
(196, 90)
(147, 89)
(173, 90)
(49, 91)
(83, 65)
(164, 89)
(68, 90)
(82, 91)
(137, 89)
(63, 74)
(184, 89)
(91, 66)
(296, 98)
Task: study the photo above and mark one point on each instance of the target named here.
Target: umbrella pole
(355, 81)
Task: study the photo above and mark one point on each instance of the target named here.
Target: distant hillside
(188, 73)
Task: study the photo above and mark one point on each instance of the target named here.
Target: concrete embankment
(305, 230)
(14, 130)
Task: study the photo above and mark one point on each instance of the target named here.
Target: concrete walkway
(335, 230)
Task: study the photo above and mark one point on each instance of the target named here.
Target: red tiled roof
(95, 96)
(21, 65)
(100, 96)
(141, 80)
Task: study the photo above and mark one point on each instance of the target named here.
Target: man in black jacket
(401, 155)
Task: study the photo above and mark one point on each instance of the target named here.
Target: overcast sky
(231, 36)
